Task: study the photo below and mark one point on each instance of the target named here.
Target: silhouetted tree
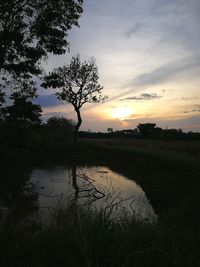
(30, 30)
(2, 98)
(23, 113)
(110, 130)
(59, 128)
(2, 101)
(59, 123)
(78, 84)
(146, 129)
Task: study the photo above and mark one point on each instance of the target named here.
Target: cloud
(192, 111)
(144, 96)
(196, 109)
(133, 42)
(189, 98)
(133, 30)
(165, 72)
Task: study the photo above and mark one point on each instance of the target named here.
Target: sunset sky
(148, 57)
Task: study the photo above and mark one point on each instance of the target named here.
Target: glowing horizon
(147, 53)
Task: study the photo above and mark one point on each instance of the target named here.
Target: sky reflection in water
(96, 188)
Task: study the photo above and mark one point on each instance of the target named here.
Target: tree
(110, 130)
(59, 128)
(78, 84)
(2, 100)
(59, 123)
(23, 113)
(146, 129)
(30, 30)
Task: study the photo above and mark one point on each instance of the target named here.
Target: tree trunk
(77, 126)
(74, 181)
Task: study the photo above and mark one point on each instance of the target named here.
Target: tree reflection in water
(87, 192)
(97, 190)
(86, 188)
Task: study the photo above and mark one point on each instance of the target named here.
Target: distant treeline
(56, 134)
(21, 124)
(144, 131)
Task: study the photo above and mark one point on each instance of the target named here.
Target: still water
(94, 188)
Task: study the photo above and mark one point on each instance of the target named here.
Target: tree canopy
(146, 129)
(30, 29)
(77, 84)
(59, 123)
(22, 113)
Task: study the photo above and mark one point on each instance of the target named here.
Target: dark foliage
(28, 141)
(59, 123)
(30, 29)
(58, 131)
(22, 113)
(2, 98)
(145, 131)
(77, 84)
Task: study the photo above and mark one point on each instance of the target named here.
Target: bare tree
(78, 84)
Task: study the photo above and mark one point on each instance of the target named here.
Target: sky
(148, 58)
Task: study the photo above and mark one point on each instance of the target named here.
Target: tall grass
(78, 238)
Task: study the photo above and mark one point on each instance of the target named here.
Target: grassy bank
(80, 239)
(169, 174)
(167, 171)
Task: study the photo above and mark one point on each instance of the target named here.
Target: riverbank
(169, 174)
(79, 239)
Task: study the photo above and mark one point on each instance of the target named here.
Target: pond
(98, 189)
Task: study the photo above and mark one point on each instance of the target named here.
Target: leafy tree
(30, 30)
(78, 84)
(59, 123)
(2, 100)
(146, 129)
(23, 113)
(59, 130)
(110, 130)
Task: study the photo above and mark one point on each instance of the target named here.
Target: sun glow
(121, 113)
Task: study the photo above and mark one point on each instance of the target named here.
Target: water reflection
(17, 203)
(94, 188)
(84, 187)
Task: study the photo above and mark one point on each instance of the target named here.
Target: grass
(80, 239)
(168, 172)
